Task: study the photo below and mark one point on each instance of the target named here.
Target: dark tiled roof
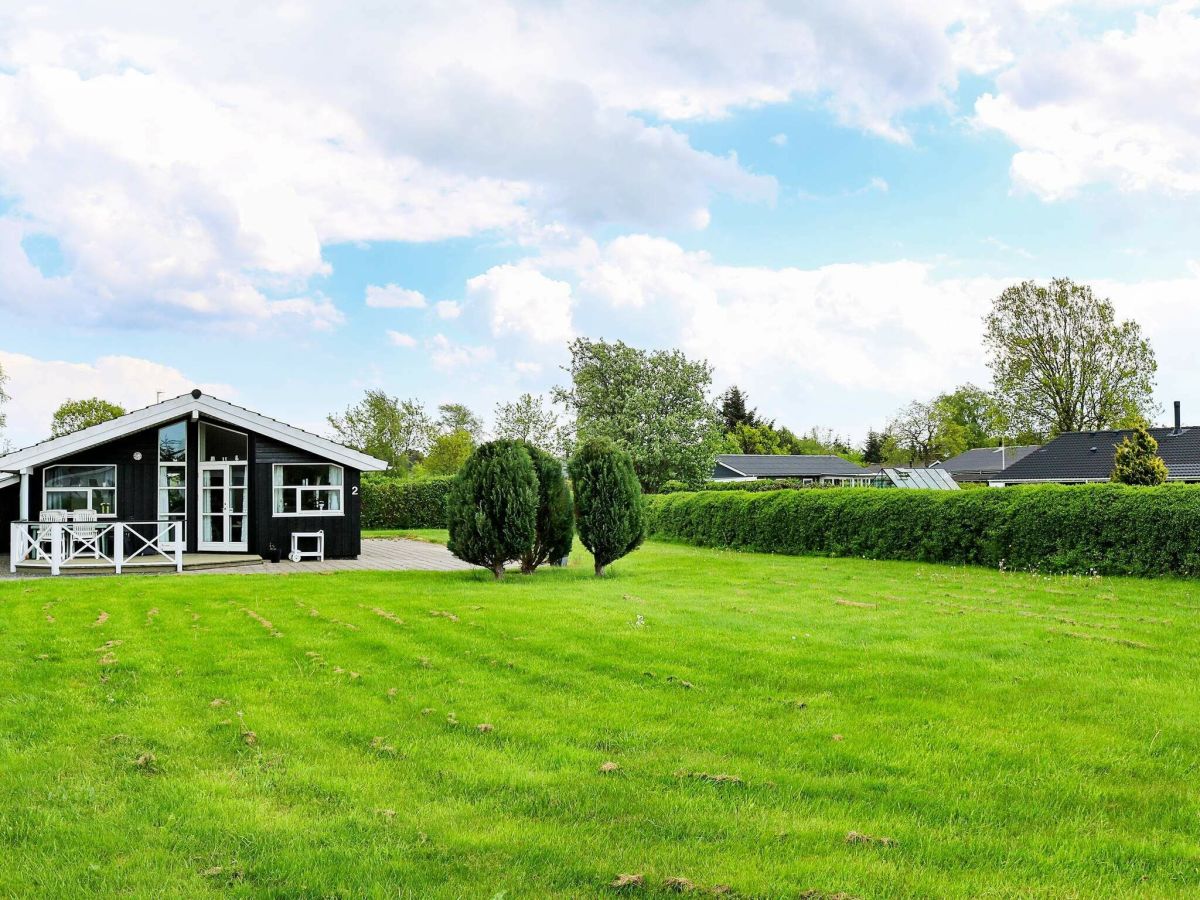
(766, 466)
(1088, 455)
(985, 459)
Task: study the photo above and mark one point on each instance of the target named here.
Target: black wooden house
(237, 481)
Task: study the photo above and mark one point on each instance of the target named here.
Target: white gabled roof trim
(177, 408)
(8, 480)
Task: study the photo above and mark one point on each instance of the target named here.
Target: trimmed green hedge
(1104, 529)
(404, 503)
(754, 487)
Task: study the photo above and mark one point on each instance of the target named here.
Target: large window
(307, 490)
(73, 488)
(219, 444)
(172, 473)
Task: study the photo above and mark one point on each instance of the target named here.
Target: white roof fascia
(288, 434)
(176, 408)
(55, 448)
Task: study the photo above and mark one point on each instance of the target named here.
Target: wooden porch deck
(192, 562)
(378, 555)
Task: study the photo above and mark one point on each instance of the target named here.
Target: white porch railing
(120, 544)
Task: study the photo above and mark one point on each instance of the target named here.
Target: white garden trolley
(318, 553)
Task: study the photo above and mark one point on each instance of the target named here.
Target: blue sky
(821, 201)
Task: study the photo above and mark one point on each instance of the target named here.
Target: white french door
(222, 507)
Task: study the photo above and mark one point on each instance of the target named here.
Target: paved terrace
(378, 555)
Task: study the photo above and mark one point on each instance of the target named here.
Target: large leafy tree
(397, 431)
(968, 417)
(915, 429)
(532, 420)
(1061, 361)
(653, 404)
(454, 417)
(448, 453)
(76, 415)
(1137, 460)
(747, 438)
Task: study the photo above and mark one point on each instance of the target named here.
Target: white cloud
(392, 296)
(1116, 108)
(450, 356)
(197, 160)
(400, 339)
(182, 162)
(891, 327)
(38, 386)
(524, 302)
(211, 201)
(874, 185)
(779, 140)
(1166, 310)
(527, 369)
(448, 309)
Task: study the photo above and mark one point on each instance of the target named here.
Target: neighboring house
(237, 481)
(813, 469)
(983, 463)
(1077, 457)
(930, 479)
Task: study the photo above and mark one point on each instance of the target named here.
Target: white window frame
(177, 465)
(308, 513)
(47, 491)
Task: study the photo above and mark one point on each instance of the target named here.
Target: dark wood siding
(10, 509)
(137, 491)
(342, 536)
(137, 480)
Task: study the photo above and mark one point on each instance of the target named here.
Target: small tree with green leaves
(1137, 460)
(76, 415)
(555, 517)
(492, 506)
(448, 453)
(608, 501)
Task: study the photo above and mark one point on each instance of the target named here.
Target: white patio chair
(45, 539)
(85, 534)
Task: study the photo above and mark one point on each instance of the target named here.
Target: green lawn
(991, 734)
(428, 535)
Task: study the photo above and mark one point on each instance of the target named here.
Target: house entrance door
(223, 507)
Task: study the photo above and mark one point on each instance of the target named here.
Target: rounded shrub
(608, 501)
(555, 527)
(491, 508)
